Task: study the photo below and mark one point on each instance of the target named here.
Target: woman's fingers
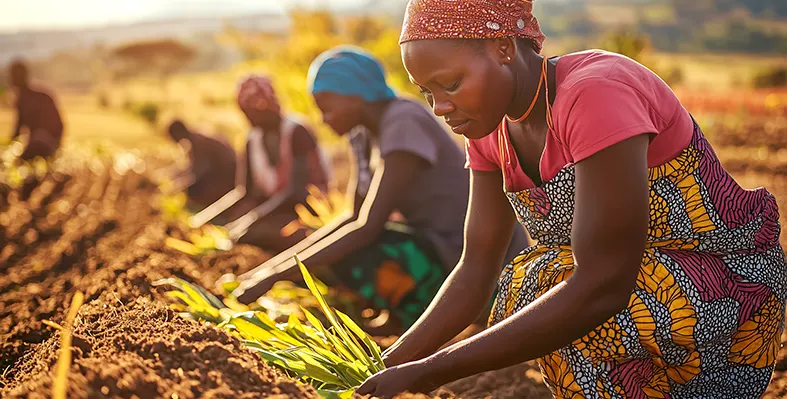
(250, 290)
(368, 387)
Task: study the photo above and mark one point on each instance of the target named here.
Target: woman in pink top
(655, 275)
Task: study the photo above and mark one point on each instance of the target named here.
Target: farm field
(103, 295)
(126, 341)
(91, 225)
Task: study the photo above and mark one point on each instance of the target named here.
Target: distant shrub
(771, 77)
(5, 99)
(674, 77)
(128, 105)
(103, 101)
(627, 42)
(149, 112)
(216, 101)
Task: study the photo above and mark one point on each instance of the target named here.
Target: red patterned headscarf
(471, 19)
(256, 93)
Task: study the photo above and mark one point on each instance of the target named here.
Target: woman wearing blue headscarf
(405, 162)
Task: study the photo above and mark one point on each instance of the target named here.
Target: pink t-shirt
(602, 99)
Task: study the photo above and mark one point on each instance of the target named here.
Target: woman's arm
(228, 200)
(18, 126)
(17, 129)
(608, 240)
(389, 182)
(295, 193)
(489, 225)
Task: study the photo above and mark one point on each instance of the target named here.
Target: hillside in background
(753, 26)
(676, 26)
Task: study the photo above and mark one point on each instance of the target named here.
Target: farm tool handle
(240, 226)
(225, 202)
(216, 208)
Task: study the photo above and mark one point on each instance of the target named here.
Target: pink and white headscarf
(256, 93)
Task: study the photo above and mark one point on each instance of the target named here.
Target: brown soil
(98, 233)
(144, 349)
(95, 231)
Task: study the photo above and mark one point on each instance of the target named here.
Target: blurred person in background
(282, 160)
(37, 113)
(654, 274)
(212, 164)
(405, 161)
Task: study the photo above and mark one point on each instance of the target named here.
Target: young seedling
(335, 359)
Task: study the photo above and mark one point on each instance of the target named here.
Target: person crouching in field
(282, 159)
(37, 113)
(212, 164)
(406, 162)
(655, 275)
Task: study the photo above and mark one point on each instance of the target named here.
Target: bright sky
(18, 15)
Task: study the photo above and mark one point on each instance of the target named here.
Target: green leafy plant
(335, 357)
(14, 171)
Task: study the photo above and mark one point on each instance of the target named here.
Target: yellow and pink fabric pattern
(707, 312)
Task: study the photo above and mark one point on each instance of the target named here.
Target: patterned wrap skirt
(706, 315)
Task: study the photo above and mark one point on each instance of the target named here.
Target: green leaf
(198, 294)
(333, 343)
(343, 334)
(204, 312)
(278, 360)
(182, 246)
(371, 346)
(253, 331)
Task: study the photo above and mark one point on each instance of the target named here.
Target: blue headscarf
(349, 71)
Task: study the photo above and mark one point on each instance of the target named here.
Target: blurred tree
(5, 100)
(149, 112)
(366, 28)
(627, 42)
(159, 58)
(387, 50)
(770, 78)
(636, 45)
(312, 33)
(251, 45)
(103, 100)
(319, 22)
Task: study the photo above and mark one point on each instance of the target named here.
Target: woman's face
(267, 120)
(468, 83)
(342, 113)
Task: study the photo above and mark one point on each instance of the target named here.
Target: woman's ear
(505, 50)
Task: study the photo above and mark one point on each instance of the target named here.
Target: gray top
(436, 203)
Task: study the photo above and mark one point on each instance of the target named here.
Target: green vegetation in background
(748, 26)
(287, 58)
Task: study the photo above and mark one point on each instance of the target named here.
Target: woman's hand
(250, 290)
(488, 229)
(396, 355)
(413, 377)
(610, 226)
